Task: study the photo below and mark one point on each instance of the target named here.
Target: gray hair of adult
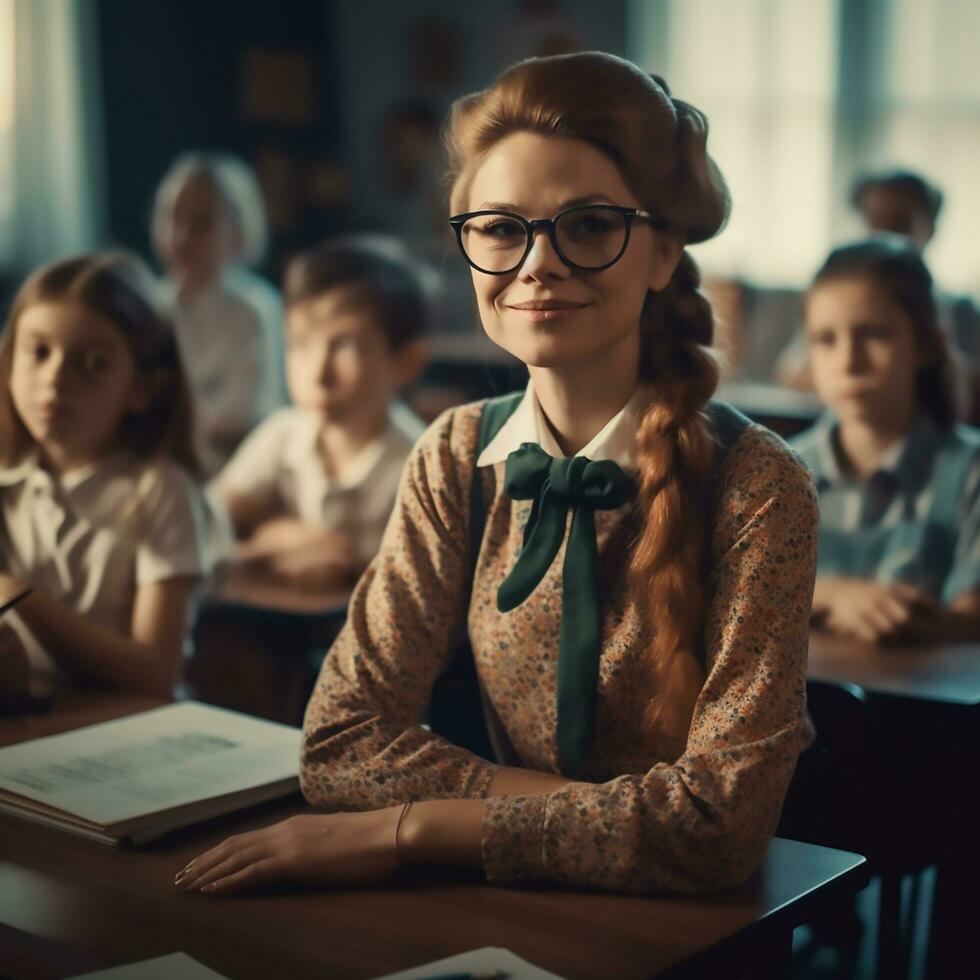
(236, 184)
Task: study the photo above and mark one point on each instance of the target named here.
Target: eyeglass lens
(586, 237)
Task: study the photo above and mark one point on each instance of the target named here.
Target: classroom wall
(176, 75)
(185, 74)
(375, 53)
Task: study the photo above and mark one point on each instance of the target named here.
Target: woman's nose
(543, 262)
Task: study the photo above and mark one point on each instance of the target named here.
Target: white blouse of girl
(643, 674)
(102, 519)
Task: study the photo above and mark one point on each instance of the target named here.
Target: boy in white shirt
(309, 491)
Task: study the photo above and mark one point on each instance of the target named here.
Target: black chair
(836, 799)
(258, 660)
(823, 804)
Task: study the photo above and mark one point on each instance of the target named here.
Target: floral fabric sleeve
(703, 822)
(364, 747)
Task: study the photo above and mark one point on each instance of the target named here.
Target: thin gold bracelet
(398, 827)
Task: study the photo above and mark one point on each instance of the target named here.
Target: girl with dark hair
(100, 513)
(898, 479)
(643, 675)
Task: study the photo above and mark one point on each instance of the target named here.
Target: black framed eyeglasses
(587, 237)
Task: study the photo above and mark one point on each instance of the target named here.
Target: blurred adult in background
(900, 202)
(209, 224)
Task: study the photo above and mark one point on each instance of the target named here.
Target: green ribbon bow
(555, 485)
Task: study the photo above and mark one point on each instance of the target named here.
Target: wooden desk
(238, 587)
(68, 905)
(253, 638)
(783, 410)
(943, 674)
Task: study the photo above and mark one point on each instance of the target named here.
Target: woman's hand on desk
(320, 848)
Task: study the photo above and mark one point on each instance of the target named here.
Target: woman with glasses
(634, 563)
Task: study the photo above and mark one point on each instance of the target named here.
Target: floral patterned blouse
(651, 817)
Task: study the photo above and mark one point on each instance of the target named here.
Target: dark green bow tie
(555, 485)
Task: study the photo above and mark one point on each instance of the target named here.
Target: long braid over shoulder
(659, 145)
(675, 453)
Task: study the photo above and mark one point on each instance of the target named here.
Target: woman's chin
(541, 351)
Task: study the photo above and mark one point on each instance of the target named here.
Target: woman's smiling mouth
(545, 309)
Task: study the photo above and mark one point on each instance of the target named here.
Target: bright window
(6, 129)
(930, 120)
(769, 75)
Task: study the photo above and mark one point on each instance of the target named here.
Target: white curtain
(804, 94)
(764, 72)
(929, 121)
(51, 171)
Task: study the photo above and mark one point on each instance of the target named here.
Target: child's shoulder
(965, 438)
(285, 422)
(446, 451)
(17, 472)
(405, 427)
(246, 288)
(164, 484)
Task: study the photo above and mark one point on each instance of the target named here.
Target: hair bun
(699, 182)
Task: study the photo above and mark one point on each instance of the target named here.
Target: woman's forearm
(442, 832)
(510, 781)
(450, 831)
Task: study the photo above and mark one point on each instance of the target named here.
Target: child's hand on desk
(316, 848)
(313, 569)
(309, 558)
(877, 612)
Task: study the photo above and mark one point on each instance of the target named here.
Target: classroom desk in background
(923, 708)
(467, 367)
(257, 643)
(236, 586)
(944, 675)
(786, 411)
(68, 905)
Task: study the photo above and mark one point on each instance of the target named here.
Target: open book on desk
(488, 962)
(134, 779)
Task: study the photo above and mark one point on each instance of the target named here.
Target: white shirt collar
(401, 426)
(31, 470)
(615, 440)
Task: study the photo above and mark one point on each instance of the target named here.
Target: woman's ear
(668, 246)
(410, 361)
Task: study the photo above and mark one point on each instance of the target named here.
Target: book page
(480, 962)
(176, 966)
(152, 761)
